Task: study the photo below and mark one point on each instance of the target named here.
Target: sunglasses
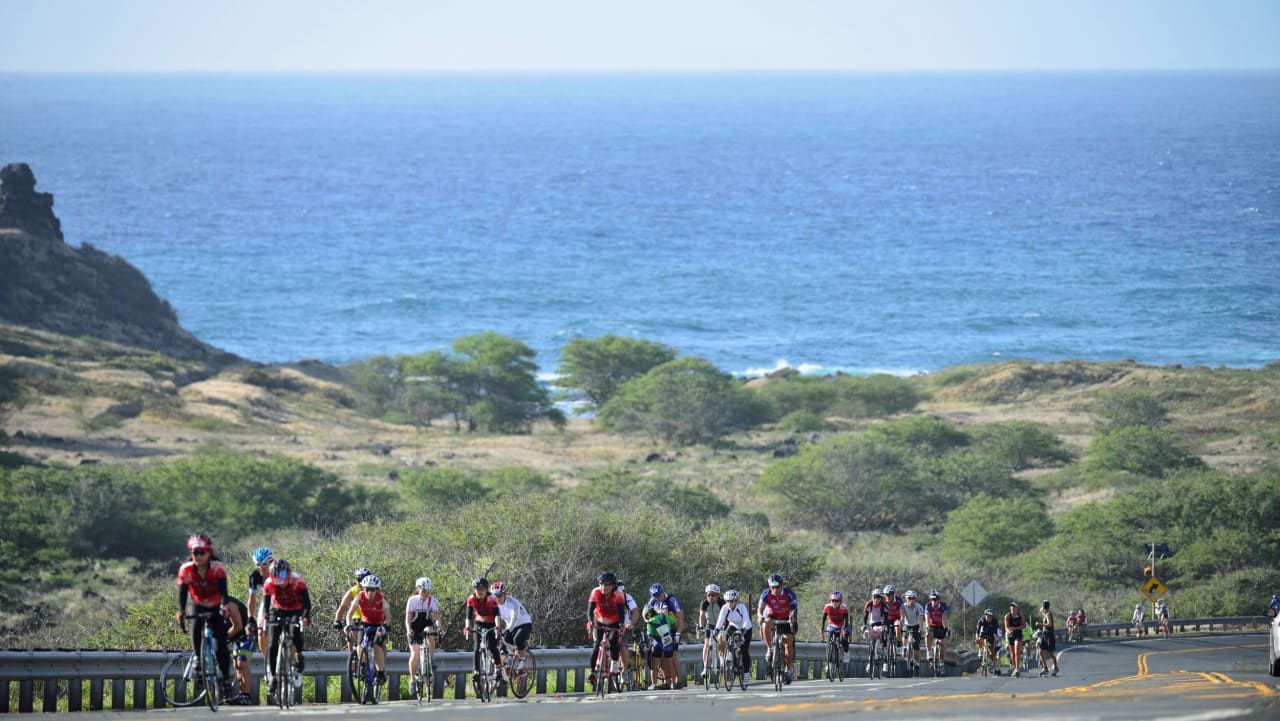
(199, 552)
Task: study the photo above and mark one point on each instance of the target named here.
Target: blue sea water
(858, 222)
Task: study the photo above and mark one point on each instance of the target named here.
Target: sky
(636, 35)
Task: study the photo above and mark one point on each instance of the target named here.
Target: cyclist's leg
(494, 652)
(415, 652)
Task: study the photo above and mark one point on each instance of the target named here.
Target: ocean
(891, 222)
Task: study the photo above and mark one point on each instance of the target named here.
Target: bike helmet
(1045, 604)
(622, 587)
(606, 578)
(371, 582)
(1137, 605)
(712, 588)
(890, 589)
(989, 612)
(480, 582)
(655, 589)
(775, 579)
(876, 592)
(933, 596)
(424, 584)
(261, 555)
(361, 572)
(280, 570)
(836, 596)
(499, 588)
(911, 594)
(731, 595)
(199, 541)
(660, 607)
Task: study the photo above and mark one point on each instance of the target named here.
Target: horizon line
(640, 71)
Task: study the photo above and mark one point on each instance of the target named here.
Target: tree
(1129, 407)
(1022, 444)
(986, 529)
(497, 376)
(922, 433)
(1138, 449)
(598, 367)
(682, 401)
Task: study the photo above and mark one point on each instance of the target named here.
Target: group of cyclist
(1160, 614)
(1013, 628)
(279, 596)
(890, 617)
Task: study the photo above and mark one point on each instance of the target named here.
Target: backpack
(660, 629)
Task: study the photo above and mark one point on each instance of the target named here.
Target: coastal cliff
(49, 285)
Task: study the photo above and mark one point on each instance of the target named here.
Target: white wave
(781, 365)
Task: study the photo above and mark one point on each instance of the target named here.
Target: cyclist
(1162, 615)
(778, 611)
(202, 582)
(893, 612)
(606, 609)
(657, 595)
(1139, 619)
(1074, 627)
(633, 617)
(482, 614)
(372, 608)
(1048, 640)
(873, 619)
(262, 559)
(835, 619)
(421, 612)
(516, 622)
(660, 626)
(913, 617)
(287, 597)
(1274, 609)
(339, 618)
(707, 615)
(1014, 625)
(735, 614)
(985, 637)
(242, 636)
(935, 612)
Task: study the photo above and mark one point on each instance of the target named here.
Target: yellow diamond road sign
(1153, 589)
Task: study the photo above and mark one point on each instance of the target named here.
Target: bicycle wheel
(362, 682)
(730, 674)
(891, 656)
(524, 674)
(355, 676)
(180, 672)
(283, 667)
(602, 669)
(779, 661)
(209, 671)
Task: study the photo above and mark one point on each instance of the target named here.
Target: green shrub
(1138, 449)
(987, 530)
(1022, 444)
(802, 422)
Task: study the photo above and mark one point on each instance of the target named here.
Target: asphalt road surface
(1183, 679)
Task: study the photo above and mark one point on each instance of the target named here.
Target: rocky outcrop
(46, 284)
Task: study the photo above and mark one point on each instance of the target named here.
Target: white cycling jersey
(736, 616)
(418, 605)
(912, 615)
(513, 613)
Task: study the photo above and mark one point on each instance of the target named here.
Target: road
(1181, 679)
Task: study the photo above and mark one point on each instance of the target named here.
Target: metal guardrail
(95, 680)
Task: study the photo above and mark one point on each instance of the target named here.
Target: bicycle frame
(604, 663)
(732, 659)
(484, 679)
(519, 669)
(423, 683)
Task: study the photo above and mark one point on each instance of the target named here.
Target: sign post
(973, 594)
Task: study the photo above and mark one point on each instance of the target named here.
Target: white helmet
(731, 595)
(911, 594)
(890, 589)
(877, 592)
(371, 581)
(712, 588)
(424, 584)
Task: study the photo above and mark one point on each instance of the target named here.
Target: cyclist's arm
(223, 593)
(591, 613)
(680, 621)
(237, 623)
(343, 608)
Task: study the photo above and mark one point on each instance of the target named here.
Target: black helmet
(607, 577)
(775, 579)
(480, 582)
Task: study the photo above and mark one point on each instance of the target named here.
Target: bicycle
(891, 649)
(910, 644)
(835, 657)
(1166, 628)
(287, 682)
(732, 661)
(638, 676)
(485, 680)
(607, 674)
(712, 670)
(778, 662)
(521, 670)
(875, 648)
(366, 686)
(423, 684)
(200, 668)
(936, 662)
(989, 650)
(1075, 633)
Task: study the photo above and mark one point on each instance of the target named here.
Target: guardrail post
(117, 694)
(437, 684)
(562, 680)
(541, 681)
(321, 688)
(50, 695)
(460, 686)
(75, 695)
(393, 687)
(95, 694)
(26, 690)
(578, 678)
(139, 694)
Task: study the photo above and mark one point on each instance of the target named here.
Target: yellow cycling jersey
(355, 604)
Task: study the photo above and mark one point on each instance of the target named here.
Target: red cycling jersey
(777, 606)
(610, 609)
(286, 596)
(485, 609)
(203, 589)
(371, 608)
(836, 615)
(936, 613)
(892, 609)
